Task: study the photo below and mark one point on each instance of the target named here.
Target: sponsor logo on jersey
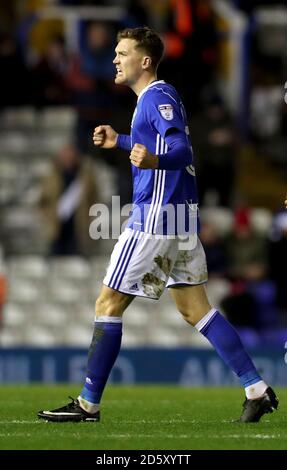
(166, 110)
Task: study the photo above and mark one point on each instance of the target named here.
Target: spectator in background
(252, 301)
(49, 75)
(214, 249)
(90, 79)
(246, 249)
(67, 194)
(15, 85)
(214, 146)
(278, 259)
(191, 44)
(137, 13)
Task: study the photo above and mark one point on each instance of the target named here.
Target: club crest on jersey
(166, 110)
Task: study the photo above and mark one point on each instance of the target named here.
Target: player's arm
(178, 156)
(124, 142)
(142, 158)
(106, 137)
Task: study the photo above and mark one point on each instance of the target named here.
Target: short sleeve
(164, 111)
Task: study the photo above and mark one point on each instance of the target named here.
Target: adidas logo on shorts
(134, 287)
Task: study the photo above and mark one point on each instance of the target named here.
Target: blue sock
(103, 352)
(227, 343)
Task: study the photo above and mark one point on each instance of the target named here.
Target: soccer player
(150, 254)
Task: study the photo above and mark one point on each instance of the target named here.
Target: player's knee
(187, 316)
(106, 306)
(195, 314)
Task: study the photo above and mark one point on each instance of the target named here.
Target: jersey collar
(156, 82)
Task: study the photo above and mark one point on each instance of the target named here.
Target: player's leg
(105, 345)
(106, 339)
(191, 300)
(103, 352)
(140, 265)
(193, 304)
(131, 272)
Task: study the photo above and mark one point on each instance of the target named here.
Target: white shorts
(143, 265)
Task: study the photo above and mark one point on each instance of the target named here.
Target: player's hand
(285, 202)
(105, 137)
(141, 157)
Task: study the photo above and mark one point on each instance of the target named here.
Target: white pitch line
(142, 421)
(151, 423)
(253, 436)
(151, 436)
(16, 421)
(155, 435)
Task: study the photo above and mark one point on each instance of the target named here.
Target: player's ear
(146, 62)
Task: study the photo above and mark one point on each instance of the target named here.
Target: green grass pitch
(142, 418)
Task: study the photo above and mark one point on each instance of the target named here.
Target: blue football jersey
(164, 201)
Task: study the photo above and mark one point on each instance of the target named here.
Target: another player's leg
(104, 349)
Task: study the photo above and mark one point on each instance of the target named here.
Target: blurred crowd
(53, 74)
(247, 259)
(41, 68)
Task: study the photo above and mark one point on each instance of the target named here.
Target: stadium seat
(78, 335)
(132, 338)
(24, 117)
(11, 337)
(14, 315)
(136, 316)
(261, 220)
(50, 314)
(31, 267)
(99, 266)
(83, 313)
(217, 289)
(169, 316)
(40, 336)
(25, 290)
(58, 118)
(63, 290)
(70, 267)
(14, 142)
(221, 217)
(166, 337)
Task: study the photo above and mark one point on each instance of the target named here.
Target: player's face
(128, 62)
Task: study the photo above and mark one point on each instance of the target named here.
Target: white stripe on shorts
(121, 260)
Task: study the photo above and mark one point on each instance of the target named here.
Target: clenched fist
(141, 158)
(105, 137)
